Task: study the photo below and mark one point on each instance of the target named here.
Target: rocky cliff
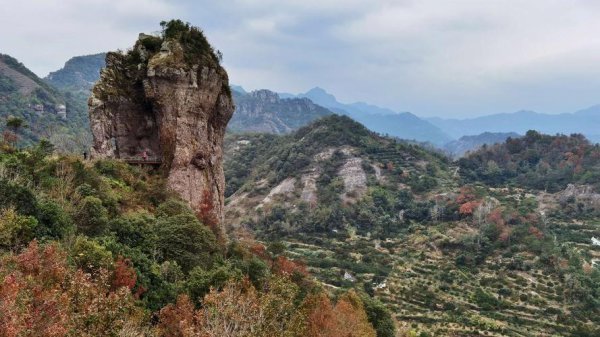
(168, 99)
(264, 111)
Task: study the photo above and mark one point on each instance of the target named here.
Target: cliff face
(265, 111)
(168, 99)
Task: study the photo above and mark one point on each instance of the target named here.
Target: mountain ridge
(585, 121)
(404, 125)
(78, 73)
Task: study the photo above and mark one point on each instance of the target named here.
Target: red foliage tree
(346, 318)
(207, 215)
(468, 207)
(40, 295)
(466, 194)
(286, 267)
(260, 250)
(536, 232)
(124, 274)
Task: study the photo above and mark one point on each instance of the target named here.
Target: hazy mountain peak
(592, 110)
(318, 90)
(265, 94)
(320, 96)
(238, 88)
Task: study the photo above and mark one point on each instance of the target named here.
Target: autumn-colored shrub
(239, 310)
(468, 207)
(286, 267)
(347, 318)
(40, 295)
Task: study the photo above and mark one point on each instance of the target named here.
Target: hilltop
(79, 73)
(536, 161)
(464, 144)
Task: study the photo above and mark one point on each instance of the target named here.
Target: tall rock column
(168, 98)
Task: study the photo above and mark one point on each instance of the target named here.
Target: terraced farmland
(429, 294)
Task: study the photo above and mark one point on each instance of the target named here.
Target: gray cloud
(431, 57)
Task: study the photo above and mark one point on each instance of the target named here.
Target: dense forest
(537, 161)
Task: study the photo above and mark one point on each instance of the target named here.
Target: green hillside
(79, 73)
(398, 221)
(45, 112)
(537, 161)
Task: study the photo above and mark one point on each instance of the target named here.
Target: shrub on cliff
(192, 40)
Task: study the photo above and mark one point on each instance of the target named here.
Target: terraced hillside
(449, 258)
(426, 282)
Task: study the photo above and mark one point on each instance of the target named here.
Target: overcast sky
(431, 57)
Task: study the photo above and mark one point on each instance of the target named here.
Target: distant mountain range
(265, 111)
(458, 148)
(585, 121)
(403, 125)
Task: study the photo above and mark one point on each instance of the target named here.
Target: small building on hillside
(61, 111)
(39, 108)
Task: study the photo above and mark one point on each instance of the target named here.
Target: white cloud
(45, 33)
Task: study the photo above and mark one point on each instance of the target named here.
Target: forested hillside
(535, 161)
(100, 249)
(447, 253)
(42, 111)
(79, 73)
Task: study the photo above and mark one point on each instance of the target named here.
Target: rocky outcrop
(264, 111)
(170, 102)
(355, 179)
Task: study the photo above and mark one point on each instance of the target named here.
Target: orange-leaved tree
(41, 295)
(347, 318)
(238, 310)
